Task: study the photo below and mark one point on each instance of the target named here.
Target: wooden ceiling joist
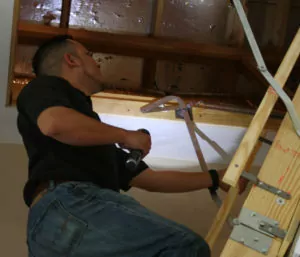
(131, 45)
(65, 14)
(150, 64)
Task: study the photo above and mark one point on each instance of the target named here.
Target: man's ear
(71, 60)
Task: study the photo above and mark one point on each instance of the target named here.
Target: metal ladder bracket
(179, 113)
(265, 186)
(256, 231)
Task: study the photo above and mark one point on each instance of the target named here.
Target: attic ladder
(281, 169)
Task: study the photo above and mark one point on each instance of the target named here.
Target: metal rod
(263, 69)
(190, 126)
(265, 140)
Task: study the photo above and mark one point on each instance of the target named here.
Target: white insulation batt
(171, 140)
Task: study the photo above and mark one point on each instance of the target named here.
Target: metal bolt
(242, 240)
(280, 201)
(264, 250)
(279, 191)
(270, 230)
(261, 223)
(276, 223)
(253, 214)
(256, 239)
(262, 68)
(236, 222)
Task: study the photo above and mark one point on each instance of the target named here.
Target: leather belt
(43, 188)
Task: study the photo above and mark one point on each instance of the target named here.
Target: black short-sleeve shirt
(50, 159)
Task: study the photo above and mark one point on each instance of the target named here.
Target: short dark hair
(46, 49)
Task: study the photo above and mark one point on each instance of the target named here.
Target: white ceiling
(170, 138)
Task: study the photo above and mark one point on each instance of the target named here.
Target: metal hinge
(256, 231)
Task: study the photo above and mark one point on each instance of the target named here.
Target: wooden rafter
(235, 36)
(13, 46)
(132, 45)
(149, 67)
(65, 13)
(234, 30)
(280, 23)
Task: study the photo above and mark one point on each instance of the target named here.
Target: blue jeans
(82, 220)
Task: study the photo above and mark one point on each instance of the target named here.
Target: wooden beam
(228, 203)
(13, 46)
(241, 156)
(290, 236)
(292, 251)
(132, 45)
(149, 67)
(129, 105)
(234, 35)
(234, 30)
(222, 216)
(65, 13)
(148, 73)
(280, 23)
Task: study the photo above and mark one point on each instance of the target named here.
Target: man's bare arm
(71, 127)
(177, 181)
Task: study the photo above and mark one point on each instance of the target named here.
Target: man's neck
(78, 84)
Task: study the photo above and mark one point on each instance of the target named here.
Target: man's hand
(137, 140)
(242, 184)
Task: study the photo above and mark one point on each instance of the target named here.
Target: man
(76, 172)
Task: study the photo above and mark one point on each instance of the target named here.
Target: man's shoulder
(46, 81)
(40, 84)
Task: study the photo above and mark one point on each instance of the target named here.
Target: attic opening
(192, 49)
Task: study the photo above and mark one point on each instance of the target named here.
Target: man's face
(89, 66)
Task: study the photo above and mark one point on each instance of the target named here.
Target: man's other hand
(137, 140)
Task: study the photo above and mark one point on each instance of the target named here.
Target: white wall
(8, 131)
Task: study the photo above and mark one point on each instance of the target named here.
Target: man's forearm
(176, 181)
(172, 181)
(73, 128)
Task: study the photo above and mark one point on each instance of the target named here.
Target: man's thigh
(85, 220)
